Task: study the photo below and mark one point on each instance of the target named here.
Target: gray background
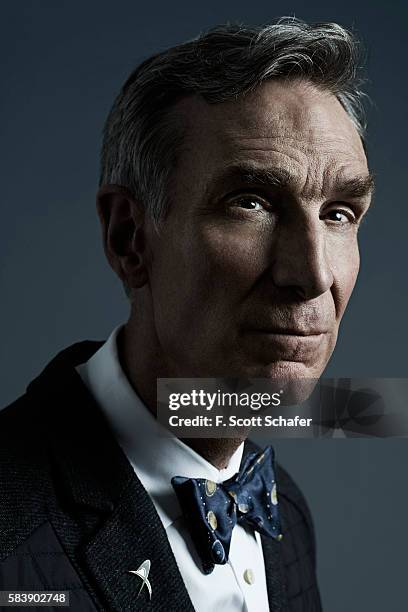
(61, 65)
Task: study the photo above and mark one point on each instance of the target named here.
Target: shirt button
(249, 576)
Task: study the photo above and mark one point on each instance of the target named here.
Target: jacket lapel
(275, 575)
(131, 535)
(108, 524)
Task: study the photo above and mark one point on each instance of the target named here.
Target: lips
(283, 331)
(286, 344)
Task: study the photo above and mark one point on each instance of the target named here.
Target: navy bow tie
(212, 510)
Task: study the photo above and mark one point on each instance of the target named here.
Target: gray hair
(141, 139)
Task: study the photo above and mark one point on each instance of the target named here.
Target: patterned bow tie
(212, 510)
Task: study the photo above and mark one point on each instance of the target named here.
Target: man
(233, 182)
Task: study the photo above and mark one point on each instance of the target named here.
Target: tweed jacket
(75, 517)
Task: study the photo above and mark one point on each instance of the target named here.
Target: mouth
(287, 344)
(297, 333)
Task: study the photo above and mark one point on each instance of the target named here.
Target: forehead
(291, 125)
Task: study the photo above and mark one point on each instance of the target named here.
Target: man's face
(257, 259)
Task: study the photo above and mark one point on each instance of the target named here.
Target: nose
(300, 259)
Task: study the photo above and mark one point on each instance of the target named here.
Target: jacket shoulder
(24, 482)
(27, 427)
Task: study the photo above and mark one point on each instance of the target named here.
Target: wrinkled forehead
(295, 113)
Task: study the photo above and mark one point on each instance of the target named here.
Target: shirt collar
(155, 454)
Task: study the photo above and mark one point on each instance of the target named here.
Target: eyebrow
(358, 186)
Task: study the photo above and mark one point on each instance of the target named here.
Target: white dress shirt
(156, 456)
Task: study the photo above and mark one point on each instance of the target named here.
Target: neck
(217, 451)
(142, 367)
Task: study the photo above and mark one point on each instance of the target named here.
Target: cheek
(215, 267)
(232, 258)
(236, 256)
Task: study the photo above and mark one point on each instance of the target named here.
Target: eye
(340, 216)
(249, 203)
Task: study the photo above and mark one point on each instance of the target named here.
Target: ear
(123, 229)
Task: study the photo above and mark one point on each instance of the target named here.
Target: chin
(296, 379)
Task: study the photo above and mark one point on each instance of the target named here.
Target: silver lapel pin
(143, 573)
